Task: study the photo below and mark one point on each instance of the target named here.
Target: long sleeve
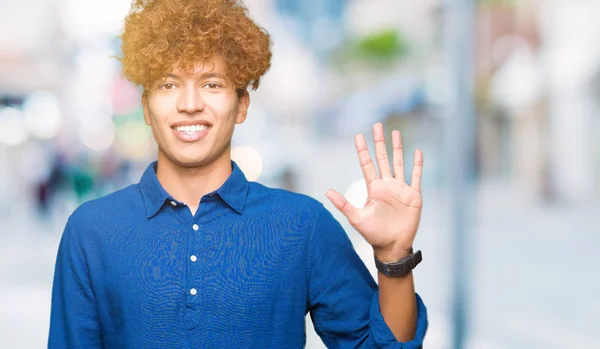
(343, 297)
(74, 319)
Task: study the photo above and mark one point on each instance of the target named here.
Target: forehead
(214, 64)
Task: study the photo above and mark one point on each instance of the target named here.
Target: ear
(145, 107)
(243, 103)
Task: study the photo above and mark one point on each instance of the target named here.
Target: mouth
(191, 133)
(191, 129)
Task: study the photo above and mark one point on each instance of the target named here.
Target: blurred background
(502, 96)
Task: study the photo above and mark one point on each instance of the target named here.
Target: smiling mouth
(191, 129)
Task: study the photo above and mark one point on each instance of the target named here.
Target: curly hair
(161, 33)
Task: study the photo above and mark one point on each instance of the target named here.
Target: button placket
(193, 267)
(196, 266)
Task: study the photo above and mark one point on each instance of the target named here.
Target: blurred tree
(382, 48)
(385, 45)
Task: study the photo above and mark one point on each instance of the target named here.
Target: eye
(167, 86)
(212, 86)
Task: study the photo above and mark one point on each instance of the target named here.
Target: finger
(366, 164)
(417, 172)
(398, 156)
(340, 202)
(383, 161)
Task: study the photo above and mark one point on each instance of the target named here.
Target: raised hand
(391, 215)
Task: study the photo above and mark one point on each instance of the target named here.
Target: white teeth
(191, 129)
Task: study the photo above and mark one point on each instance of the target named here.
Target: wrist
(389, 255)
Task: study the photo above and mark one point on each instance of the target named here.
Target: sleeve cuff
(383, 337)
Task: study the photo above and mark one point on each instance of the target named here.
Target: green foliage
(378, 49)
(386, 45)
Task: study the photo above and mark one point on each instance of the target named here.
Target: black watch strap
(401, 267)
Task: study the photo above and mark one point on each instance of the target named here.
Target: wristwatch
(401, 267)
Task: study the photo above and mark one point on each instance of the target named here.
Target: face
(193, 114)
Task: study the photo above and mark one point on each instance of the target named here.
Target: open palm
(390, 218)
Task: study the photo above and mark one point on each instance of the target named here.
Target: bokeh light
(13, 129)
(249, 160)
(98, 139)
(134, 139)
(43, 115)
(356, 194)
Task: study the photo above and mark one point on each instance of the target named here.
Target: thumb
(340, 202)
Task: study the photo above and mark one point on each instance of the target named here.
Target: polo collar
(233, 192)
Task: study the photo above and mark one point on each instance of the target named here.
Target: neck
(190, 184)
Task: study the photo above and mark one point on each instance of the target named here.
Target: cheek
(223, 106)
(159, 110)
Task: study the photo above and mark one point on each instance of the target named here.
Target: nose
(190, 101)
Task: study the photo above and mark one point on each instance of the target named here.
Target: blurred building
(535, 68)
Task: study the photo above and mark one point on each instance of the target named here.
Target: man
(194, 255)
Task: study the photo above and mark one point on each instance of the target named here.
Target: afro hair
(159, 34)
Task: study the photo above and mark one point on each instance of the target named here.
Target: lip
(191, 137)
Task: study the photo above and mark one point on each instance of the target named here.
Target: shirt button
(195, 227)
(193, 291)
(193, 258)
(173, 203)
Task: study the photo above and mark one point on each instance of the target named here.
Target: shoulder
(282, 199)
(295, 208)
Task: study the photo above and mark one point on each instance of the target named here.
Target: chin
(184, 159)
(192, 162)
(189, 158)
